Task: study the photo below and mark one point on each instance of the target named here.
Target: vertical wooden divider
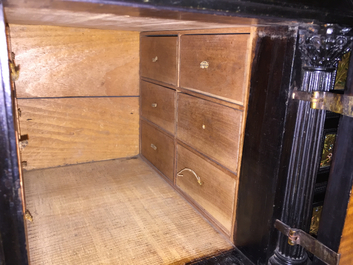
(250, 57)
(176, 109)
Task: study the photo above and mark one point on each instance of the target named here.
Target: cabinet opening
(134, 141)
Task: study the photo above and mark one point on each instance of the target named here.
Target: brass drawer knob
(193, 172)
(203, 126)
(153, 147)
(155, 59)
(154, 105)
(204, 65)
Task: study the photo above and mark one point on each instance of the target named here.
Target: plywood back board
(61, 62)
(76, 130)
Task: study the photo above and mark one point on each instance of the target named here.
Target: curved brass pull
(204, 65)
(155, 59)
(193, 172)
(153, 147)
(154, 105)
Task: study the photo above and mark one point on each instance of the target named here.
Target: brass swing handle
(193, 172)
(154, 59)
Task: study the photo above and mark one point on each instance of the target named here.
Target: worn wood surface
(158, 148)
(159, 58)
(220, 30)
(131, 21)
(346, 244)
(211, 128)
(113, 212)
(59, 61)
(226, 73)
(217, 192)
(158, 105)
(76, 130)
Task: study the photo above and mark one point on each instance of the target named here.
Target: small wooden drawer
(158, 105)
(211, 188)
(211, 128)
(158, 148)
(159, 58)
(215, 64)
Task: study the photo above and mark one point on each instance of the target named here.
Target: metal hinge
(23, 141)
(337, 103)
(311, 244)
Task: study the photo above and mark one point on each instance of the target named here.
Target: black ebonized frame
(271, 115)
(340, 181)
(12, 232)
(267, 143)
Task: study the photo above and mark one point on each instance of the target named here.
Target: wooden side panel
(59, 61)
(217, 192)
(211, 128)
(158, 148)
(158, 105)
(346, 244)
(215, 64)
(69, 131)
(159, 58)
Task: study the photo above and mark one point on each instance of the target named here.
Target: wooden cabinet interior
(80, 100)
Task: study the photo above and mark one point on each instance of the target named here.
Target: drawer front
(215, 64)
(159, 58)
(158, 148)
(211, 128)
(216, 193)
(158, 105)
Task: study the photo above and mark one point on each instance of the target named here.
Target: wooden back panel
(61, 62)
(78, 91)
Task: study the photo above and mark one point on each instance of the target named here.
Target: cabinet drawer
(211, 128)
(158, 105)
(158, 148)
(215, 64)
(159, 58)
(217, 190)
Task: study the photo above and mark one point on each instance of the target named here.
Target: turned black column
(320, 51)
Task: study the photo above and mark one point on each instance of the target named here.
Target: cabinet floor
(113, 212)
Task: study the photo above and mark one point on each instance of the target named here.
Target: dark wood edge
(340, 180)
(209, 160)
(213, 31)
(161, 129)
(159, 83)
(196, 93)
(264, 140)
(200, 210)
(209, 218)
(212, 98)
(12, 224)
(169, 181)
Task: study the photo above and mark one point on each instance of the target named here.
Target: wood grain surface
(159, 58)
(59, 61)
(113, 212)
(158, 148)
(217, 192)
(346, 244)
(212, 129)
(226, 55)
(76, 130)
(133, 21)
(158, 105)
